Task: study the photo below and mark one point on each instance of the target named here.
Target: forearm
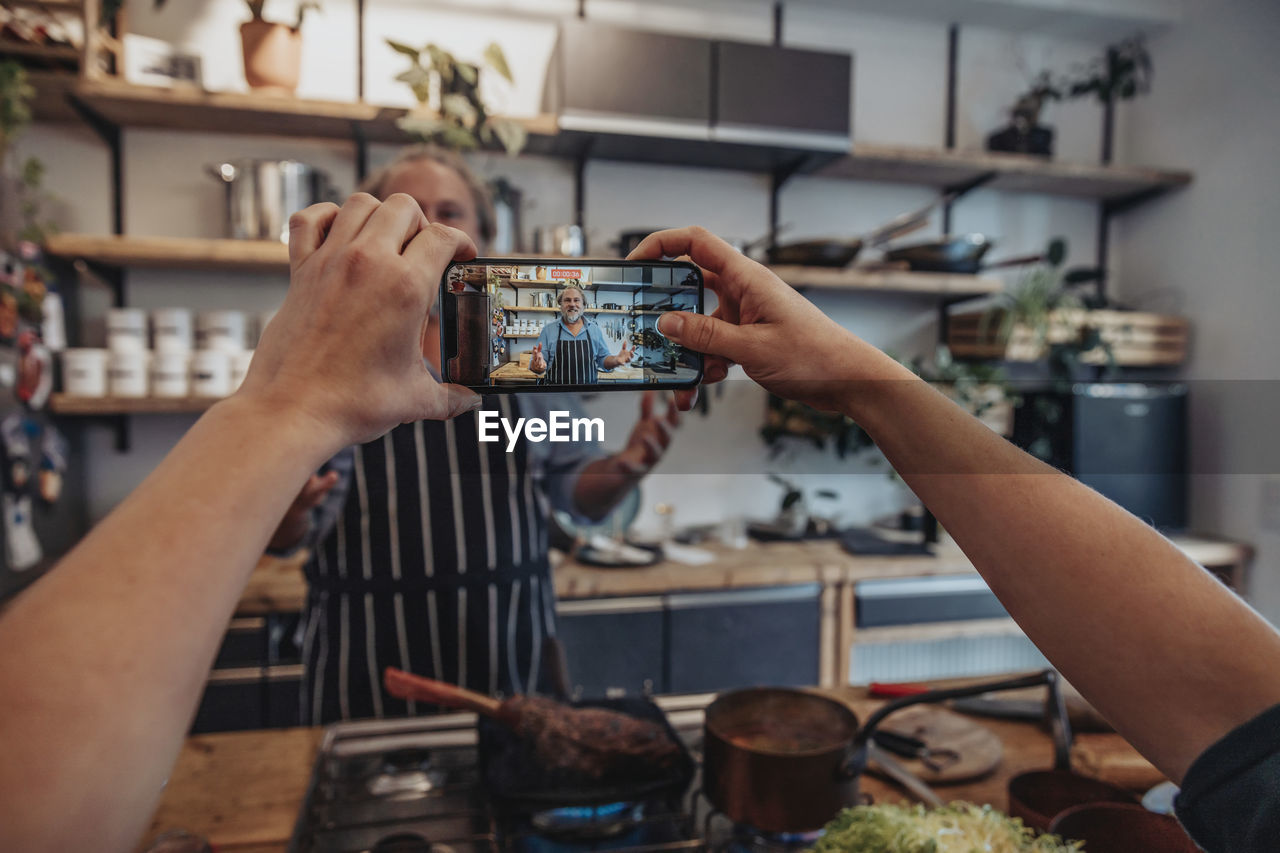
(602, 484)
(146, 594)
(1148, 636)
(611, 361)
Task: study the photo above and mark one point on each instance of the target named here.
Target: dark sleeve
(1230, 797)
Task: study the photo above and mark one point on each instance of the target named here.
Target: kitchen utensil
(895, 771)
(515, 777)
(840, 253)
(959, 749)
(263, 194)
(508, 201)
(569, 241)
(787, 761)
(962, 254)
(586, 743)
(1039, 796)
(1122, 828)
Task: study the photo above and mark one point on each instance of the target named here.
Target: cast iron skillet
(518, 782)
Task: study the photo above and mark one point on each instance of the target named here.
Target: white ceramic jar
(126, 330)
(172, 330)
(211, 373)
(84, 372)
(170, 373)
(240, 367)
(220, 330)
(127, 373)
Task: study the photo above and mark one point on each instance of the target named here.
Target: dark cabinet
(613, 644)
(722, 640)
(620, 80)
(234, 700)
(769, 95)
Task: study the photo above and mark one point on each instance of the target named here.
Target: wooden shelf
(64, 54)
(128, 105)
(537, 335)
(65, 404)
(173, 252)
(192, 109)
(888, 281)
(557, 310)
(1014, 172)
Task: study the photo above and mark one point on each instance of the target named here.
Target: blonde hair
(375, 183)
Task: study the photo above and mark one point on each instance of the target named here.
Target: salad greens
(956, 828)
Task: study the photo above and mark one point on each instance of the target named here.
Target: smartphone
(515, 325)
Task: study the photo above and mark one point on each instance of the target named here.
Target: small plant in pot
(450, 111)
(273, 52)
(1123, 71)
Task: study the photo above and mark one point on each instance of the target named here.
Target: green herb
(957, 828)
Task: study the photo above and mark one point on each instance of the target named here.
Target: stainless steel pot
(263, 194)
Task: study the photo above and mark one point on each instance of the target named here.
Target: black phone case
(449, 332)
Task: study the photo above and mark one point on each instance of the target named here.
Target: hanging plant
(449, 89)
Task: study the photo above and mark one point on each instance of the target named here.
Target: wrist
(298, 431)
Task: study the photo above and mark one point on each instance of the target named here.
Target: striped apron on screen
(573, 364)
(437, 565)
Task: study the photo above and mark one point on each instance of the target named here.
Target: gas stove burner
(588, 822)
(406, 773)
(404, 842)
(748, 839)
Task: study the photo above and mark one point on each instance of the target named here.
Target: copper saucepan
(784, 760)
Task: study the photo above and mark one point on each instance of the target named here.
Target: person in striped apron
(429, 548)
(571, 350)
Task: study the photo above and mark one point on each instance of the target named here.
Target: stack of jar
(207, 361)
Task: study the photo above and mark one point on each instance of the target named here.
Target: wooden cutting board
(979, 748)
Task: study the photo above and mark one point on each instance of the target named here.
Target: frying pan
(1122, 828)
(961, 254)
(519, 782)
(840, 253)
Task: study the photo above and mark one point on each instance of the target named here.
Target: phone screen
(512, 325)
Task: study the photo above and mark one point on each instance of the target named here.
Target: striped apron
(573, 364)
(437, 565)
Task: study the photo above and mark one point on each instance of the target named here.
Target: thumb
(707, 335)
(461, 400)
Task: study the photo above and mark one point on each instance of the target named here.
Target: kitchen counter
(277, 584)
(242, 790)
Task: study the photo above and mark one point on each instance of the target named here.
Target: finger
(646, 405)
(319, 486)
(673, 412)
(715, 369)
(706, 249)
(445, 401)
(634, 468)
(431, 250)
(355, 212)
(686, 398)
(706, 335)
(307, 230)
(396, 222)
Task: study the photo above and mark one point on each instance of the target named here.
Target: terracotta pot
(272, 56)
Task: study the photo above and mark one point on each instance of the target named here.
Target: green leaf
(468, 72)
(1057, 252)
(399, 47)
(460, 108)
(511, 134)
(441, 60)
(498, 61)
(423, 128)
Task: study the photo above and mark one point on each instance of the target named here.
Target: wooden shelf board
(888, 281)
(50, 103)
(192, 109)
(1015, 172)
(173, 252)
(66, 404)
(52, 53)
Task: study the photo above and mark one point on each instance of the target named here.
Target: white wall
(899, 97)
(1210, 251)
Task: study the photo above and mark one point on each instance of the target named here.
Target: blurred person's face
(571, 306)
(441, 193)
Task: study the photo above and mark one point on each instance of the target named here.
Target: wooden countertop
(242, 790)
(277, 584)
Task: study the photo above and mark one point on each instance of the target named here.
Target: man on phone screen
(571, 349)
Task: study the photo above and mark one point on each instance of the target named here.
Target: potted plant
(272, 52)
(1123, 71)
(450, 111)
(21, 198)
